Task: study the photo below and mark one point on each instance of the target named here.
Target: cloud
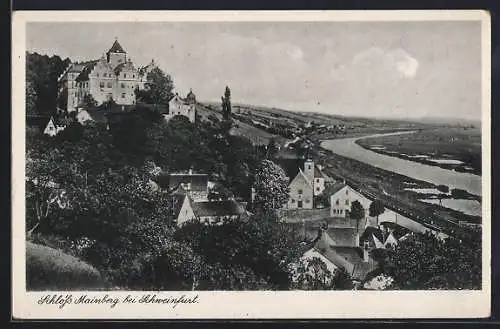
(397, 59)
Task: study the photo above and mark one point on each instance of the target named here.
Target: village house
(113, 76)
(341, 199)
(54, 126)
(194, 185)
(182, 106)
(307, 184)
(210, 212)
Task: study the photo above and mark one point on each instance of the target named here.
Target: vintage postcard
(251, 165)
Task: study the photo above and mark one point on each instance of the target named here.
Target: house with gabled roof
(54, 126)
(210, 212)
(182, 106)
(196, 185)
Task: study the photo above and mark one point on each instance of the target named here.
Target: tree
(443, 188)
(271, 186)
(157, 89)
(424, 261)
(42, 73)
(313, 274)
(357, 211)
(62, 99)
(31, 98)
(226, 104)
(376, 208)
(272, 148)
(88, 101)
(242, 254)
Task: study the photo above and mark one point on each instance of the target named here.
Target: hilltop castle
(113, 76)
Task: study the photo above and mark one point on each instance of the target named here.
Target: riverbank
(433, 175)
(454, 149)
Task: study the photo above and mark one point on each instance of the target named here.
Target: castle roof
(87, 68)
(116, 48)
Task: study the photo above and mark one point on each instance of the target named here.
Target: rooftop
(116, 48)
(217, 208)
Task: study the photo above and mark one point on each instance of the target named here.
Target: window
(346, 192)
(309, 167)
(124, 75)
(101, 84)
(337, 202)
(346, 202)
(123, 85)
(307, 200)
(299, 191)
(317, 180)
(123, 95)
(104, 74)
(133, 75)
(340, 211)
(97, 74)
(293, 200)
(299, 204)
(317, 189)
(109, 84)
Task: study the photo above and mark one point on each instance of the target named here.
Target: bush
(51, 269)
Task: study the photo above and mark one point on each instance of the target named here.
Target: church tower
(116, 55)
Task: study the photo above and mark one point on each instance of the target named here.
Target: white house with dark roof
(54, 126)
(195, 185)
(210, 212)
(182, 106)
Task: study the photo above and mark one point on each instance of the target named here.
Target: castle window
(123, 95)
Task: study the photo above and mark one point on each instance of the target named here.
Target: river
(347, 147)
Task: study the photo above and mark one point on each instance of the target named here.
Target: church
(113, 76)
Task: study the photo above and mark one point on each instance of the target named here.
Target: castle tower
(116, 55)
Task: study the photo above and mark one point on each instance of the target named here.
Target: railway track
(410, 211)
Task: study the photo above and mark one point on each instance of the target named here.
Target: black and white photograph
(281, 155)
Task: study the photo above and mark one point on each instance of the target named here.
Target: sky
(369, 69)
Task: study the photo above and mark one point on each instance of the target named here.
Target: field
(455, 148)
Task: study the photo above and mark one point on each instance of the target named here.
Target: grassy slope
(52, 269)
